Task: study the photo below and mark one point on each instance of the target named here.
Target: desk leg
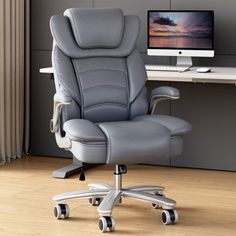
(69, 170)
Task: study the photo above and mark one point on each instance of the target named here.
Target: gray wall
(210, 108)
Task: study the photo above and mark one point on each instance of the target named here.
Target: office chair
(101, 110)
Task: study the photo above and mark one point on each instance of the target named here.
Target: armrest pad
(165, 91)
(83, 131)
(162, 93)
(62, 97)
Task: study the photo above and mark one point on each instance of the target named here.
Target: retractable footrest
(135, 142)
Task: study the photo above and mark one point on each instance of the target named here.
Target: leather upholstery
(176, 125)
(96, 63)
(104, 88)
(137, 79)
(165, 91)
(102, 28)
(135, 142)
(105, 84)
(65, 80)
(83, 131)
(89, 152)
(63, 37)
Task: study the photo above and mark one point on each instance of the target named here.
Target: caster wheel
(95, 201)
(169, 217)
(61, 211)
(106, 223)
(157, 206)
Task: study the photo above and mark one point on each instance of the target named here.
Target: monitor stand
(184, 61)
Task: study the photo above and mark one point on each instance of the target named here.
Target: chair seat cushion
(135, 142)
(176, 125)
(83, 131)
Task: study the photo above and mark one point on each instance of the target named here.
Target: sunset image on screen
(180, 30)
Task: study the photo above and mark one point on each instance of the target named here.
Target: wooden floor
(206, 201)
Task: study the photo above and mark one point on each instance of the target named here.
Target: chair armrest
(60, 99)
(166, 91)
(162, 93)
(83, 131)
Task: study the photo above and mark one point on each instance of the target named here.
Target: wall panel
(211, 109)
(137, 7)
(41, 12)
(225, 19)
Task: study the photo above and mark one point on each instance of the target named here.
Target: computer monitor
(184, 34)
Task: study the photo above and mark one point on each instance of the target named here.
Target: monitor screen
(193, 30)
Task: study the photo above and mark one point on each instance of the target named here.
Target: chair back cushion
(95, 61)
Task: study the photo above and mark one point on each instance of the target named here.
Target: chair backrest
(95, 61)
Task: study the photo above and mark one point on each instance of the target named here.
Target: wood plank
(205, 200)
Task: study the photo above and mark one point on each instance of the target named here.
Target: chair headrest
(86, 43)
(96, 28)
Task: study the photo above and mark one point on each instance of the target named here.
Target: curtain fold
(14, 79)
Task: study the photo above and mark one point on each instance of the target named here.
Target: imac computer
(184, 34)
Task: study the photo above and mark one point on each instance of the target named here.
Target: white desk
(46, 70)
(226, 75)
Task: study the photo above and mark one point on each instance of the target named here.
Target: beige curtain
(14, 79)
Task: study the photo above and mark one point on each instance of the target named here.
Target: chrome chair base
(109, 196)
(113, 196)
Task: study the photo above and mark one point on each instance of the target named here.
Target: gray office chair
(101, 110)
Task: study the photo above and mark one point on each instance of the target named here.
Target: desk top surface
(217, 75)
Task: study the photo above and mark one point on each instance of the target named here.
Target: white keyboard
(167, 68)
